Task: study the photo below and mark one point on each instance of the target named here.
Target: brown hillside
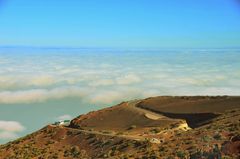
(195, 104)
(196, 110)
(141, 129)
(118, 118)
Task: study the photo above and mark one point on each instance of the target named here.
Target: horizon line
(109, 48)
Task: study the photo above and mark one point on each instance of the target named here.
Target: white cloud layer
(113, 95)
(9, 129)
(12, 126)
(128, 79)
(40, 95)
(102, 78)
(7, 135)
(102, 82)
(65, 117)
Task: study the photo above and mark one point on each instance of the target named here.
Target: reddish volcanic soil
(195, 104)
(118, 118)
(152, 128)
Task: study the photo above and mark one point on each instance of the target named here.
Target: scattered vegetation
(216, 139)
(132, 127)
(155, 130)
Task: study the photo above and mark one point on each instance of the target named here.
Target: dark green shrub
(181, 154)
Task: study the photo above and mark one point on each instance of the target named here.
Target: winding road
(147, 113)
(132, 105)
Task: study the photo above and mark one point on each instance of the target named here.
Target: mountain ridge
(155, 127)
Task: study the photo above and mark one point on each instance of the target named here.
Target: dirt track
(132, 105)
(149, 114)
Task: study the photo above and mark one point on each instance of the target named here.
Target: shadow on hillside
(193, 120)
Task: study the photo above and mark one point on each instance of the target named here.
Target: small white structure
(155, 141)
(62, 123)
(184, 127)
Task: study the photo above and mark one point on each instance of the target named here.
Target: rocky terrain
(157, 127)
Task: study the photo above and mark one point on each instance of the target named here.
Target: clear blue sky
(122, 23)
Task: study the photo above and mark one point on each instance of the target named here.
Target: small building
(62, 123)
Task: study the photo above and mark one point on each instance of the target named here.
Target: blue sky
(41, 85)
(125, 23)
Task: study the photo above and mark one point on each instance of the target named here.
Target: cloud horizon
(10, 129)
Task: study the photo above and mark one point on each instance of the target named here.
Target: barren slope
(194, 104)
(119, 118)
(127, 131)
(196, 110)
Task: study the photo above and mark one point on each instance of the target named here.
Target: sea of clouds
(111, 76)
